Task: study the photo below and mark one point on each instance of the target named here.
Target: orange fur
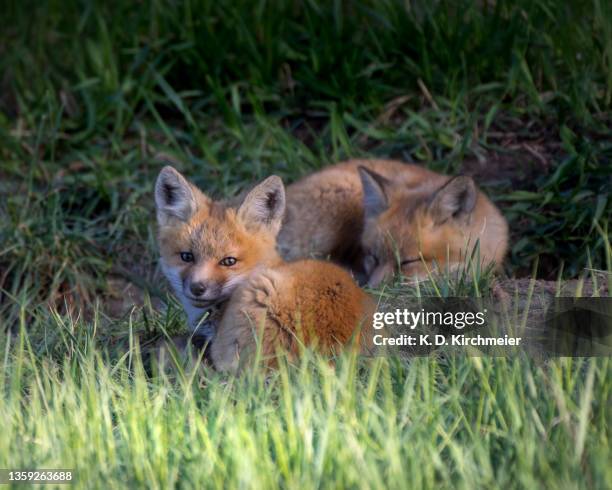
(212, 233)
(325, 218)
(290, 304)
(306, 303)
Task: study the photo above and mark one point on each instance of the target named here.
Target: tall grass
(89, 394)
(96, 97)
(446, 423)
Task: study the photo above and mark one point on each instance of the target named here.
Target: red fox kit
(381, 216)
(208, 248)
(214, 253)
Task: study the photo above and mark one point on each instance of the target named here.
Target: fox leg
(250, 325)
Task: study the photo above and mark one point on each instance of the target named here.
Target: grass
(457, 422)
(87, 394)
(96, 100)
(95, 97)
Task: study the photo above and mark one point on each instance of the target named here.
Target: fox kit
(379, 217)
(208, 248)
(218, 254)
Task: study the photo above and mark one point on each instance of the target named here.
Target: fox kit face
(411, 230)
(208, 248)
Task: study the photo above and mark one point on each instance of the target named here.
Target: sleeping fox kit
(223, 258)
(379, 217)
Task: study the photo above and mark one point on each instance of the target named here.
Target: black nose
(197, 289)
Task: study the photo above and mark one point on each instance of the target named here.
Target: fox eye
(228, 261)
(186, 256)
(408, 261)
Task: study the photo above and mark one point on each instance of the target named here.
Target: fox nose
(197, 289)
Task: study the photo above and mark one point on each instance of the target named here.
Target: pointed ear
(455, 199)
(264, 205)
(374, 196)
(174, 196)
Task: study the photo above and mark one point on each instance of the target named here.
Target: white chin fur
(194, 313)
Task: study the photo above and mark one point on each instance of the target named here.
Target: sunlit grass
(431, 422)
(90, 395)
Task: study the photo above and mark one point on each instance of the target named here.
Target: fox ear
(455, 199)
(264, 205)
(174, 196)
(374, 196)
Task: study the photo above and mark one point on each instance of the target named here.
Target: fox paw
(262, 287)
